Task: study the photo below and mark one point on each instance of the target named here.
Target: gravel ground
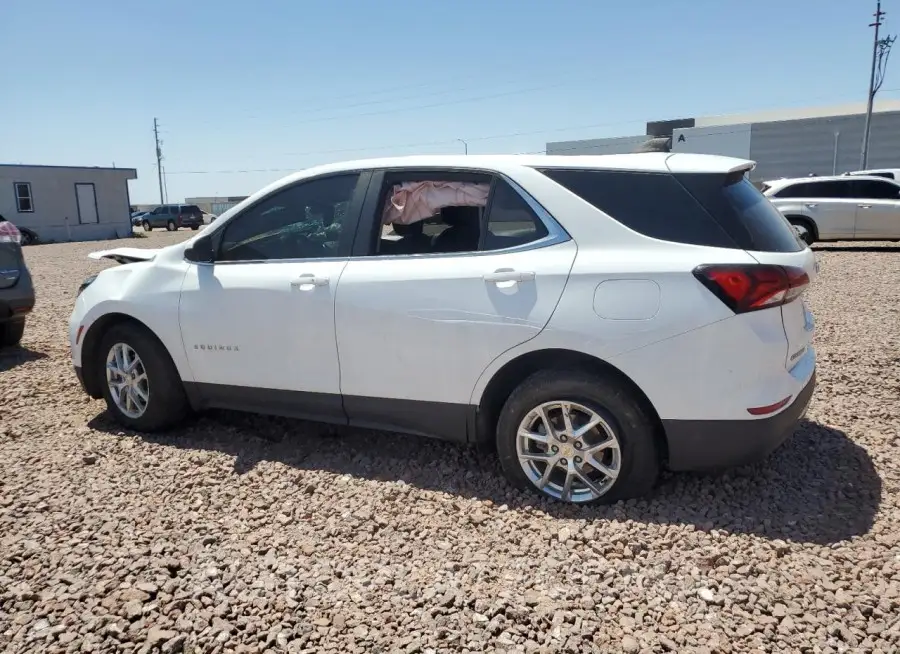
(252, 534)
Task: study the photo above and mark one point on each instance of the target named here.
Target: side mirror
(201, 251)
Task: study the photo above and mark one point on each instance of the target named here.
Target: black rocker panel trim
(440, 420)
(317, 407)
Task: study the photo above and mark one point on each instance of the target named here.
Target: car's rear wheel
(171, 226)
(804, 229)
(11, 333)
(577, 438)
(195, 227)
(147, 226)
(141, 385)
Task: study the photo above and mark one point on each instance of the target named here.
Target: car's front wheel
(141, 385)
(577, 437)
(147, 226)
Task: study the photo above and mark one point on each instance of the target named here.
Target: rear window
(654, 204)
(715, 210)
(743, 211)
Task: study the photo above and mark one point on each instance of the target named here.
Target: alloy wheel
(568, 451)
(127, 379)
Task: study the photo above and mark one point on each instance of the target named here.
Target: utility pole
(159, 159)
(864, 157)
(465, 145)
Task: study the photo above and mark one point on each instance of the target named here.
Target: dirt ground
(250, 534)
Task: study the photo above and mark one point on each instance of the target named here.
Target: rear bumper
(18, 301)
(701, 445)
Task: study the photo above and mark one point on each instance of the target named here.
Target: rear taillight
(752, 287)
(9, 233)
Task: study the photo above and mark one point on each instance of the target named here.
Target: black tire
(806, 229)
(11, 333)
(28, 237)
(147, 226)
(171, 226)
(168, 403)
(632, 426)
(195, 227)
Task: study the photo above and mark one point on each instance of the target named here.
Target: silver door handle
(864, 206)
(811, 205)
(309, 280)
(509, 276)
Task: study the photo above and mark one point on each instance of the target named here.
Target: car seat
(463, 232)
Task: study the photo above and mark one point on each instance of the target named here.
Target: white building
(67, 203)
(216, 205)
(784, 143)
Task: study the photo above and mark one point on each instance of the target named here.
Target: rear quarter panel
(599, 315)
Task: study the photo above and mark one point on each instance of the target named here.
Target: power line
(384, 112)
(394, 146)
(369, 102)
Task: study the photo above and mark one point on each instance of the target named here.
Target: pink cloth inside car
(410, 202)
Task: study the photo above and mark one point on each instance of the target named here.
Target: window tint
(24, 203)
(716, 210)
(305, 221)
(749, 218)
(510, 221)
(653, 204)
(832, 189)
(870, 189)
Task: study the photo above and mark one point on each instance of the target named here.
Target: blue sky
(273, 86)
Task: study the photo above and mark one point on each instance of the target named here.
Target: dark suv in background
(173, 216)
(16, 291)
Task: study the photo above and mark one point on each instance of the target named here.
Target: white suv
(845, 207)
(593, 318)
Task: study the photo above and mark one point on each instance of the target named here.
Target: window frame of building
(19, 197)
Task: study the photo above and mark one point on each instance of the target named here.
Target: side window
(510, 221)
(833, 189)
(426, 212)
(437, 216)
(304, 221)
(870, 189)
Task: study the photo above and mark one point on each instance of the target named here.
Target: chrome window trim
(556, 234)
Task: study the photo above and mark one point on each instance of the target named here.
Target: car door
(258, 323)
(416, 330)
(829, 204)
(156, 218)
(877, 209)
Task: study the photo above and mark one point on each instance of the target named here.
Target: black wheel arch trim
(483, 418)
(88, 371)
